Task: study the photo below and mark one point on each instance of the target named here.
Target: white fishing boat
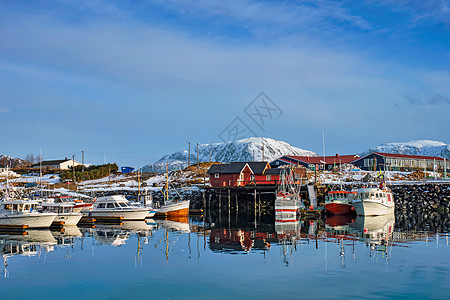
(24, 212)
(116, 206)
(65, 212)
(287, 201)
(172, 207)
(374, 201)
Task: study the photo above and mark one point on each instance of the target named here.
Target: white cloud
(281, 14)
(435, 11)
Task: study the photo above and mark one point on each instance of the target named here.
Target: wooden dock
(16, 228)
(196, 212)
(109, 220)
(311, 213)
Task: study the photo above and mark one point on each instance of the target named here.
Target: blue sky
(133, 80)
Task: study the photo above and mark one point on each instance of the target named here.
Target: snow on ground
(48, 178)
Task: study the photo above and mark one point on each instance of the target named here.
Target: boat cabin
(58, 207)
(111, 202)
(17, 206)
(375, 194)
(335, 195)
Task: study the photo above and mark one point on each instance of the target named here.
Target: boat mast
(166, 195)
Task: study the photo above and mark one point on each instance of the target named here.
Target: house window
(216, 175)
(268, 178)
(252, 177)
(241, 177)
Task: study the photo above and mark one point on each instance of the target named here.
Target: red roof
(408, 156)
(344, 159)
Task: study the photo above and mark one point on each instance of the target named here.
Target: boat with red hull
(339, 202)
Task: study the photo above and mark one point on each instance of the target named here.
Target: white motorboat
(24, 212)
(65, 212)
(147, 202)
(374, 201)
(116, 206)
(78, 205)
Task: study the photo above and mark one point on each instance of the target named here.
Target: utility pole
(197, 157)
(189, 154)
(73, 168)
(82, 159)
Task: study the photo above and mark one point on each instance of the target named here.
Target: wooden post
(229, 201)
(220, 206)
(237, 206)
(220, 200)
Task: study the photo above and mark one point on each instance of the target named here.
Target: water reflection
(29, 243)
(339, 239)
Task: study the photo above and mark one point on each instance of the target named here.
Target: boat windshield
(123, 204)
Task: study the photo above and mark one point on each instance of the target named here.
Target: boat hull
(132, 215)
(68, 218)
(178, 209)
(339, 208)
(32, 220)
(81, 206)
(372, 208)
(151, 213)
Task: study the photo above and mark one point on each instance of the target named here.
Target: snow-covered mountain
(419, 147)
(241, 150)
(12, 161)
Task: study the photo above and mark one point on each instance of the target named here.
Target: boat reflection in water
(29, 243)
(338, 224)
(375, 230)
(117, 234)
(175, 224)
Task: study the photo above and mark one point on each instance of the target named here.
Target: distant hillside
(419, 147)
(241, 150)
(12, 162)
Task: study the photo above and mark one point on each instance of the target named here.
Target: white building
(62, 164)
(5, 172)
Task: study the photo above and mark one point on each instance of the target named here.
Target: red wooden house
(242, 173)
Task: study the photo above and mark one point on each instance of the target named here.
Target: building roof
(395, 155)
(237, 167)
(274, 171)
(52, 162)
(230, 168)
(258, 167)
(335, 159)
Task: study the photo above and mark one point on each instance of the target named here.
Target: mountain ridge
(248, 149)
(414, 147)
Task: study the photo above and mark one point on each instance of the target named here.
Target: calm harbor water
(223, 258)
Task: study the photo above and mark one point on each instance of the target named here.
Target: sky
(129, 81)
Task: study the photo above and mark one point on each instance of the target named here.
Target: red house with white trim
(242, 173)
